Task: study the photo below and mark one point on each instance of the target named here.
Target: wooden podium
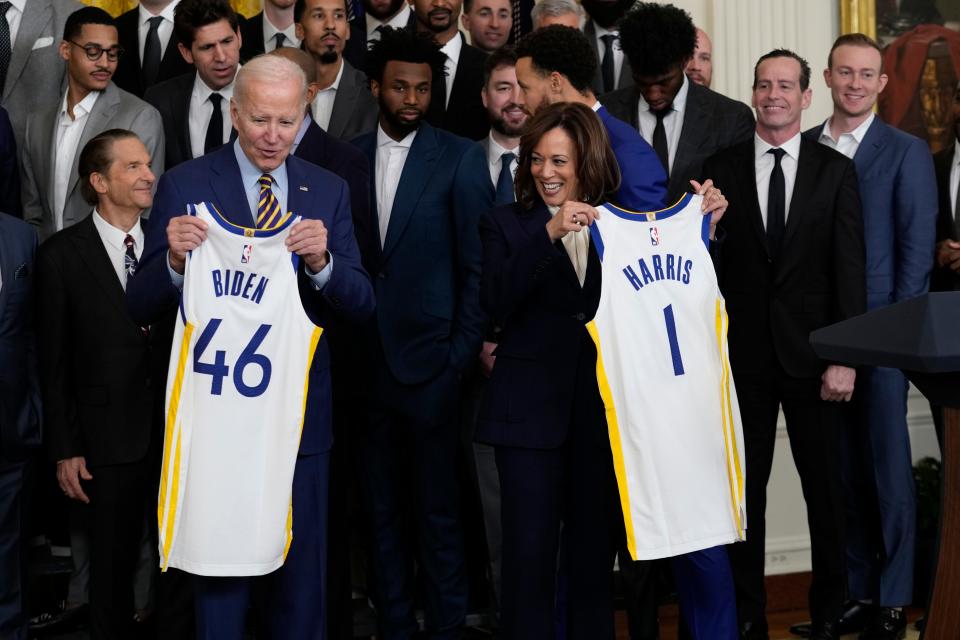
(922, 338)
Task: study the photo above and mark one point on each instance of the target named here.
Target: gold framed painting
(245, 8)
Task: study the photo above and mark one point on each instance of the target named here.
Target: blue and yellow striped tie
(268, 209)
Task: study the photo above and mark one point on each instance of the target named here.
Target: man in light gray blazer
(91, 103)
(34, 75)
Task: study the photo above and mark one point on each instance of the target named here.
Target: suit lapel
(368, 145)
(7, 267)
(36, 15)
(180, 115)
(226, 183)
(343, 102)
(424, 153)
(692, 133)
(46, 128)
(869, 149)
(807, 167)
(748, 187)
(89, 247)
(97, 121)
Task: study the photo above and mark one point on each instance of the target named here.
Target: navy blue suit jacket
(643, 182)
(19, 382)
(427, 273)
(898, 191)
(314, 193)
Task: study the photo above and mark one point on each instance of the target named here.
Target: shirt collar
(80, 109)
(202, 92)
(270, 31)
(791, 146)
(383, 140)
(453, 48)
(19, 5)
(398, 21)
(679, 103)
(857, 134)
(115, 236)
(250, 174)
(602, 31)
(303, 128)
(166, 14)
(336, 81)
(495, 150)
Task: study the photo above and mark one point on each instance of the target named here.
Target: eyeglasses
(94, 51)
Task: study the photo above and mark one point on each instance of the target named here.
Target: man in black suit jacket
(684, 122)
(9, 168)
(19, 409)
(99, 371)
(602, 30)
(946, 271)
(791, 260)
(150, 51)
(195, 119)
(456, 104)
(269, 30)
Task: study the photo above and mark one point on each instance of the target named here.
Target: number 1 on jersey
(672, 337)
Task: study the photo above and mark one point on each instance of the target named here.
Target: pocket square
(21, 272)
(45, 41)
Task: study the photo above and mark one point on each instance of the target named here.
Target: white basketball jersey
(236, 395)
(664, 375)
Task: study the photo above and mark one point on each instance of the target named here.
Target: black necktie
(606, 65)
(516, 9)
(505, 181)
(660, 138)
(214, 137)
(280, 38)
(5, 44)
(151, 52)
(776, 205)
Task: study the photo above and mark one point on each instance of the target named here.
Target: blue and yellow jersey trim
(247, 232)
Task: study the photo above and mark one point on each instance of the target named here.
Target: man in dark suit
(602, 31)
(430, 188)
(456, 104)
(270, 94)
(314, 145)
(684, 122)
(19, 409)
(376, 14)
(269, 30)
(9, 168)
(791, 261)
(150, 46)
(343, 106)
(97, 367)
(195, 106)
(898, 192)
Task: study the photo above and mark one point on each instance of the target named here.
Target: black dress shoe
(824, 631)
(754, 631)
(854, 619)
(890, 624)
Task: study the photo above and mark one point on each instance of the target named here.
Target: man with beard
(344, 107)
(700, 67)
(270, 29)
(431, 188)
(602, 30)
(456, 104)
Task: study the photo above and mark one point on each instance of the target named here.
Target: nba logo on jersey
(245, 256)
(654, 236)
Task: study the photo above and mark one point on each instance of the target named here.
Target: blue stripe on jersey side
(674, 342)
(597, 240)
(643, 216)
(183, 314)
(295, 259)
(247, 232)
(705, 231)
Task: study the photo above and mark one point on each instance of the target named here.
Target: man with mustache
(90, 105)
(456, 104)
(343, 107)
(424, 259)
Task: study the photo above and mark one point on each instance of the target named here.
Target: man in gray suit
(91, 104)
(33, 75)
(684, 122)
(344, 106)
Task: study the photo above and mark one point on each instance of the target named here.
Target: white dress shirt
(617, 52)
(69, 132)
(14, 14)
(112, 238)
(494, 159)
(398, 21)
(391, 156)
(577, 246)
(955, 176)
(164, 31)
(200, 111)
(270, 35)
(323, 103)
(672, 122)
(763, 164)
(848, 142)
(452, 50)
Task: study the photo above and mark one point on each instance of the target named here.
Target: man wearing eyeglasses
(90, 105)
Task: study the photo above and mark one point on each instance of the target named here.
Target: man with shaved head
(267, 110)
(700, 67)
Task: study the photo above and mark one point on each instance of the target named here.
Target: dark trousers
(411, 497)
(814, 428)
(119, 495)
(879, 490)
(295, 593)
(573, 486)
(12, 623)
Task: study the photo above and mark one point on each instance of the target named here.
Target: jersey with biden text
(236, 393)
(664, 375)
